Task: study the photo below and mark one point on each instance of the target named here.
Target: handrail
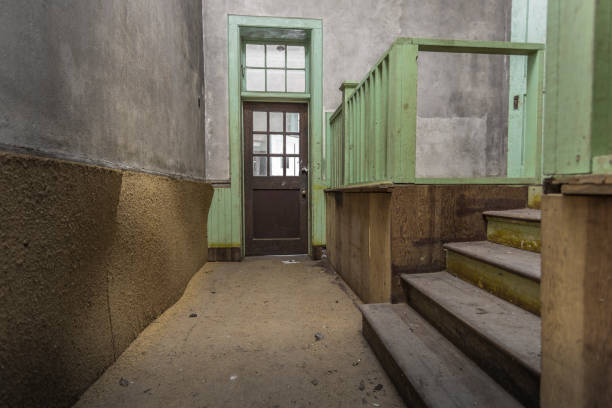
(374, 129)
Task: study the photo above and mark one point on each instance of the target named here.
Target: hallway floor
(252, 344)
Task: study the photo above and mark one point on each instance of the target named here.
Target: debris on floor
(123, 382)
(290, 261)
(193, 315)
(256, 348)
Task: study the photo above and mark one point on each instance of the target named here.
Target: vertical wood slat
(359, 158)
(385, 121)
(532, 166)
(401, 149)
(374, 109)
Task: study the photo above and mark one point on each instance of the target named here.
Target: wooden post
(576, 286)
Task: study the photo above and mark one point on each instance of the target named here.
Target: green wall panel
(579, 88)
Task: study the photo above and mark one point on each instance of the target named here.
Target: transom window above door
(275, 68)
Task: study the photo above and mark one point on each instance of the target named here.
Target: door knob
(305, 170)
(303, 192)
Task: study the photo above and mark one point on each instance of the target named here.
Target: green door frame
(231, 207)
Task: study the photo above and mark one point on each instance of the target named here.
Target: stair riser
(518, 379)
(506, 285)
(403, 386)
(515, 233)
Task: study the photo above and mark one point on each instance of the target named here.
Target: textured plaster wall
(90, 256)
(454, 90)
(113, 82)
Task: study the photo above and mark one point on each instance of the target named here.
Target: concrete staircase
(468, 336)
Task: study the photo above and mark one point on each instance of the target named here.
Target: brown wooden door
(276, 178)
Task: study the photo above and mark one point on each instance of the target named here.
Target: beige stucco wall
(89, 256)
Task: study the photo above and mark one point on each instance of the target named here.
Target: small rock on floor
(123, 382)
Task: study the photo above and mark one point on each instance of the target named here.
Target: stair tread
(438, 371)
(509, 327)
(519, 261)
(523, 214)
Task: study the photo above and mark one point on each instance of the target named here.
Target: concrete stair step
(516, 228)
(509, 273)
(427, 369)
(503, 339)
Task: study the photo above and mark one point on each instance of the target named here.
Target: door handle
(303, 192)
(305, 170)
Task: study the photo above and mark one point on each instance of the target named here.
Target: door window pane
(296, 81)
(293, 166)
(276, 80)
(255, 55)
(260, 166)
(275, 56)
(276, 121)
(293, 122)
(296, 57)
(255, 79)
(260, 143)
(293, 144)
(260, 121)
(276, 166)
(276, 144)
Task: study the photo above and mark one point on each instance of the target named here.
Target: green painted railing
(373, 131)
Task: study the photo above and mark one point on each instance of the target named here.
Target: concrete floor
(252, 344)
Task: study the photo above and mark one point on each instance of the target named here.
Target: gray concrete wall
(114, 82)
(458, 92)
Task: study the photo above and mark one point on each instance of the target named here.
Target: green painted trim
(473, 47)
(222, 226)
(403, 77)
(579, 87)
(477, 180)
(378, 136)
(529, 25)
(602, 164)
(316, 179)
(232, 245)
(534, 105)
(333, 115)
(275, 97)
(226, 218)
(276, 22)
(328, 148)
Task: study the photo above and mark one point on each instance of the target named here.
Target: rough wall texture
(358, 246)
(111, 82)
(372, 245)
(90, 256)
(456, 88)
(576, 301)
(426, 217)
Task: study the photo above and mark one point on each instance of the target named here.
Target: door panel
(276, 200)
